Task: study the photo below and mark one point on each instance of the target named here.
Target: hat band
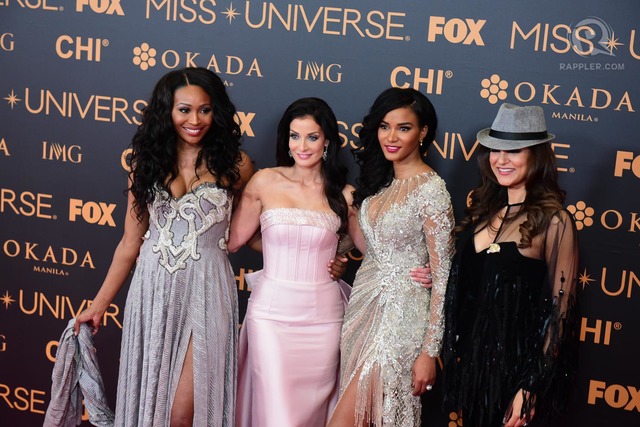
(518, 136)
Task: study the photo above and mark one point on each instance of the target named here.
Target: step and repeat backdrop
(75, 74)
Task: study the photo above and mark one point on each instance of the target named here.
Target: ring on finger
(429, 387)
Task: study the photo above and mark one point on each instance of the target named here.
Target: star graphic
(13, 99)
(6, 300)
(231, 13)
(584, 279)
(611, 43)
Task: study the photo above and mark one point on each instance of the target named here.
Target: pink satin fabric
(289, 341)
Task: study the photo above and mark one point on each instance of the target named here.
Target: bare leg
(345, 413)
(182, 410)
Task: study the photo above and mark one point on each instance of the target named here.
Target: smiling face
(399, 135)
(192, 114)
(511, 168)
(306, 141)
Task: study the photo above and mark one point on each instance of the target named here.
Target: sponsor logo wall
(75, 74)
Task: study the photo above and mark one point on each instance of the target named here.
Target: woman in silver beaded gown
(180, 322)
(392, 329)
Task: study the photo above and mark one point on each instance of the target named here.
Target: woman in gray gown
(181, 316)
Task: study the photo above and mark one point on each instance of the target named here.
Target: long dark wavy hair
(333, 171)
(543, 201)
(376, 171)
(154, 158)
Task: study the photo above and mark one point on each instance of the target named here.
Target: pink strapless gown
(289, 342)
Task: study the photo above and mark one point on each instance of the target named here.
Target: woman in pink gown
(289, 342)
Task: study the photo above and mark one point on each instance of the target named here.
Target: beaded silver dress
(390, 319)
(183, 289)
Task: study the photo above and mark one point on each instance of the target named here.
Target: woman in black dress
(509, 342)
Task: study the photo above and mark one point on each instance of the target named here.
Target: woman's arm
(549, 373)
(438, 231)
(353, 226)
(246, 218)
(122, 263)
(561, 255)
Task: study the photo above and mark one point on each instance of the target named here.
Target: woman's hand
(423, 373)
(337, 266)
(512, 417)
(422, 276)
(90, 316)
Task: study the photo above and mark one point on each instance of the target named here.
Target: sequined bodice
(180, 229)
(393, 222)
(298, 243)
(400, 223)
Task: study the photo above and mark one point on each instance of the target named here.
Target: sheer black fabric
(510, 322)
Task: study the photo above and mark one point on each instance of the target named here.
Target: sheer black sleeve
(551, 373)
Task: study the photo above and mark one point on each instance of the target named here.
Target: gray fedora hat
(516, 127)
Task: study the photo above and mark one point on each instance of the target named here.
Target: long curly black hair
(154, 158)
(543, 201)
(376, 171)
(333, 171)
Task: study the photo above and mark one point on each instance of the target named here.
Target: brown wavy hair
(543, 201)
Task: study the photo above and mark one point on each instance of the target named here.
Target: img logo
(108, 7)
(62, 153)
(312, 70)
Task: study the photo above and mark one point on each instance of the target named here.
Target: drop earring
(324, 153)
(290, 155)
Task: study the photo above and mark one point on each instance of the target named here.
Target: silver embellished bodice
(407, 225)
(177, 226)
